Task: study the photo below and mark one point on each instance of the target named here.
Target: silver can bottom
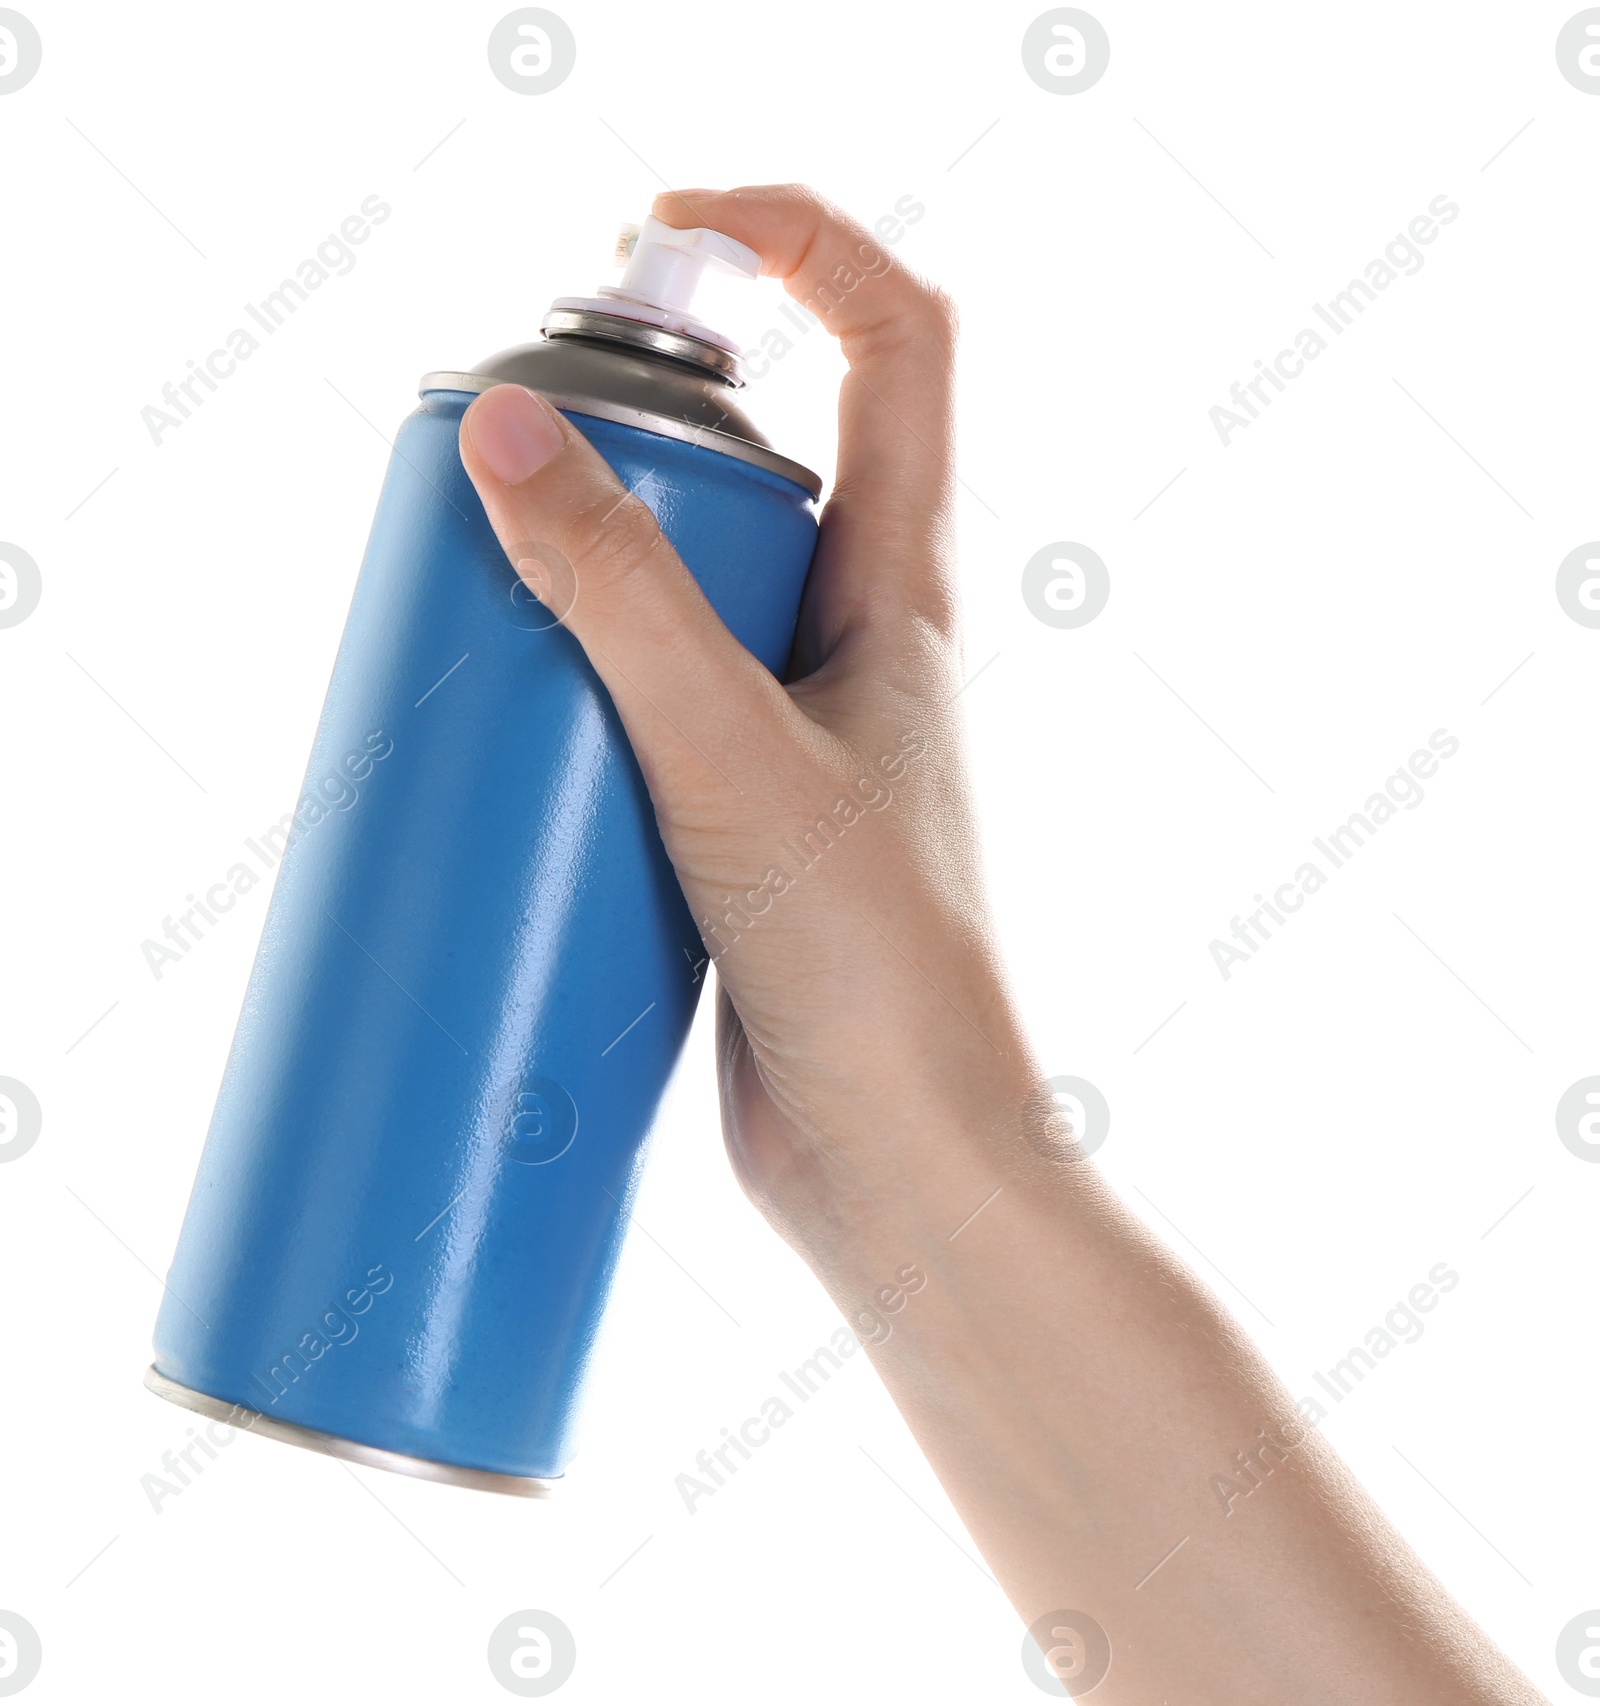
(353, 1451)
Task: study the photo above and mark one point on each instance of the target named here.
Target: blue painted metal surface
(416, 1182)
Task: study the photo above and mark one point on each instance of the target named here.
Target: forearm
(1077, 1391)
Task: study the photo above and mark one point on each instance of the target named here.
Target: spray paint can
(477, 969)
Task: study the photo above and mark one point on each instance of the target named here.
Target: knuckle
(933, 655)
(938, 307)
(915, 314)
(949, 313)
(610, 540)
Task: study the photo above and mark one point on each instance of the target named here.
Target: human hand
(821, 829)
(1072, 1385)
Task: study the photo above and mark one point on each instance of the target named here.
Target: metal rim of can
(703, 357)
(666, 426)
(353, 1451)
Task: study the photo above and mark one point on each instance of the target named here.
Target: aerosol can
(477, 969)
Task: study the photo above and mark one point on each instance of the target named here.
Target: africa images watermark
(201, 1449)
(336, 792)
(334, 257)
(336, 1325)
(869, 793)
(802, 1384)
(847, 276)
(755, 1431)
(1402, 1325)
(1403, 257)
(1402, 789)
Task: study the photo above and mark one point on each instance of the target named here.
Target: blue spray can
(477, 969)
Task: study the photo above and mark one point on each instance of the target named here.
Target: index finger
(893, 492)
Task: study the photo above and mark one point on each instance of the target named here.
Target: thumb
(688, 693)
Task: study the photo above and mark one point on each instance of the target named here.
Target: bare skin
(1074, 1387)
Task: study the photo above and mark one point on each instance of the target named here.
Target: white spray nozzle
(664, 264)
(662, 268)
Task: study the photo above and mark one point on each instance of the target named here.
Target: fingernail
(514, 432)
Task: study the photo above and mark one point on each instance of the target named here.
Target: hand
(1077, 1391)
(858, 994)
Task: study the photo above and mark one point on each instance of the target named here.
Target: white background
(1359, 1102)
